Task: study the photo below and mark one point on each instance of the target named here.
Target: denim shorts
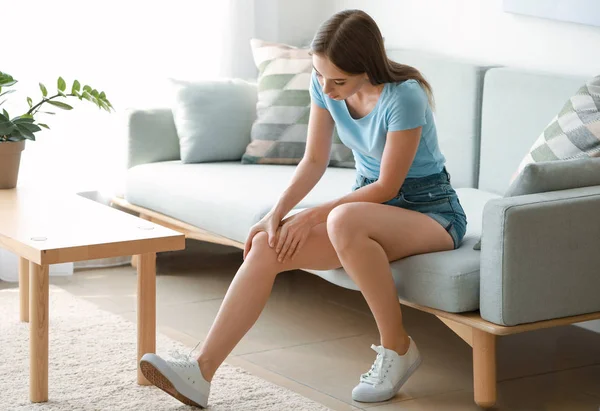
(431, 195)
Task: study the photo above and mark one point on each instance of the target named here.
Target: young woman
(402, 204)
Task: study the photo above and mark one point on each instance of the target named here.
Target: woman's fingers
(291, 250)
(285, 248)
(299, 246)
(283, 233)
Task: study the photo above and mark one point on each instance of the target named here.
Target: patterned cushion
(278, 135)
(573, 133)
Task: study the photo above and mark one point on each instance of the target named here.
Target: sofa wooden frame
(480, 334)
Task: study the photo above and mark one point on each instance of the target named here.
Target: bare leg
(250, 290)
(366, 236)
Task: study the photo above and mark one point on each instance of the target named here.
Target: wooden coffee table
(48, 227)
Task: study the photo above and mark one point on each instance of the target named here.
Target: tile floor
(314, 338)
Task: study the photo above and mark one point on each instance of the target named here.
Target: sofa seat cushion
(225, 198)
(447, 280)
(228, 198)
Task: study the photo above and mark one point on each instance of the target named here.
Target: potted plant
(16, 130)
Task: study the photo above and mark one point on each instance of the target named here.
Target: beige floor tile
(564, 390)
(280, 380)
(569, 390)
(334, 367)
(452, 401)
(547, 350)
(289, 319)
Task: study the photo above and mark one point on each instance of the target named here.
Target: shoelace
(179, 356)
(375, 375)
(182, 361)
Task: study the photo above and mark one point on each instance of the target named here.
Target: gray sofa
(537, 263)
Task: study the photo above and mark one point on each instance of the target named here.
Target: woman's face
(335, 83)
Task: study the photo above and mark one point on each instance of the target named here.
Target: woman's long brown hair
(352, 41)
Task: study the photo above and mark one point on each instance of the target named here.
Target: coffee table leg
(38, 332)
(24, 289)
(146, 313)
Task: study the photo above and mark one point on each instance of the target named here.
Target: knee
(261, 248)
(260, 251)
(343, 224)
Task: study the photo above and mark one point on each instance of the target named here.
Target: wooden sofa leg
(484, 368)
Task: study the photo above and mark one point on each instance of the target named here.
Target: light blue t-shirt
(401, 106)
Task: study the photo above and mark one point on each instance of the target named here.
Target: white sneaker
(179, 378)
(387, 374)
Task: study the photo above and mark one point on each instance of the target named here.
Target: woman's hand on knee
(267, 224)
(292, 235)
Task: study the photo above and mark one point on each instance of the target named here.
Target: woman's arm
(398, 155)
(314, 163)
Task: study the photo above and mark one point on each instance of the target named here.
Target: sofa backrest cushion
(457, 88)
(213, 118)
(517, 105)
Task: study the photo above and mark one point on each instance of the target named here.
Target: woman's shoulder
(409, 91)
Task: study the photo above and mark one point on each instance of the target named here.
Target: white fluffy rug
(92, 365)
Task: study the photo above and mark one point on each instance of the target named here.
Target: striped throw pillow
(574, 132)
(278, 135)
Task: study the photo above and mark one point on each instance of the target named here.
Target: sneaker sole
(384, 396)
(156, 377)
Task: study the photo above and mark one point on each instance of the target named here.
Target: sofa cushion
(574, 132)
(228, 198)
(517, 105)
(213, 118)
(556, 175)
(279, 132)
(224, 198)
(447, 280)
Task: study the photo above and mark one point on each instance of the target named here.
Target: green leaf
(59, 104)
(102, 96)
(3, 117)
(94, 93)
(61, 84)
(88, 96)
(5, 114)
(14, 133)
(62, 94)
(6, 80)
(43, 125)
(23, 120)
(17, 139)
(31, 127)
(76, 87)
(87, 88)
(24, 131)
(47, 112)
(30, 102)
(104, 105)
(44, 90)
(6, 127)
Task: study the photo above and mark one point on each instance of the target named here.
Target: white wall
(479, 30)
